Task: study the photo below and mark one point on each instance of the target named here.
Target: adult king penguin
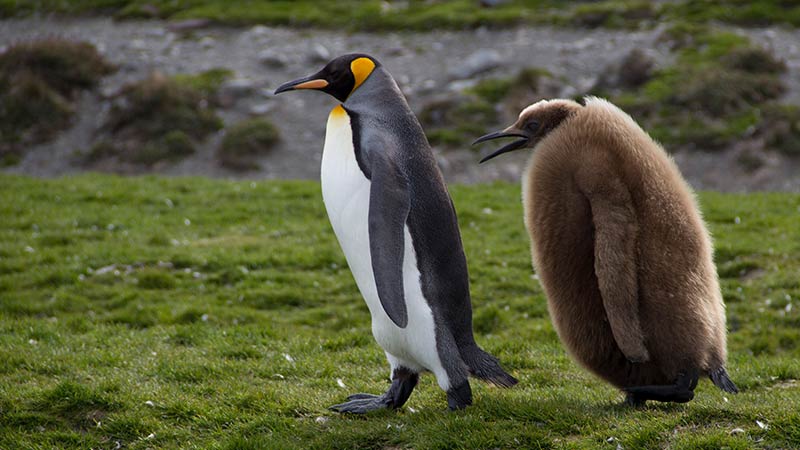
(393, 217)
(621, 250)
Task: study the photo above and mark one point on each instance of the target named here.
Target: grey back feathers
(407, 184)
(401, 166)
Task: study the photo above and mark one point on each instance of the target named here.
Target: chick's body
(609, 215)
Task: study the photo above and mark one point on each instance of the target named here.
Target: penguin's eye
(533, 125)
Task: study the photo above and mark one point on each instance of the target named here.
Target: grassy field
(427, 15)
(191, 313)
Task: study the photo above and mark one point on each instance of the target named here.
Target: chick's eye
(533, 125)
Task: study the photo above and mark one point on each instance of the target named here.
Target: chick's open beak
(519, 143)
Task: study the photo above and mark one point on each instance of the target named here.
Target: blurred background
(184, 87)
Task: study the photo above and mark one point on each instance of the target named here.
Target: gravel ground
(424, 64)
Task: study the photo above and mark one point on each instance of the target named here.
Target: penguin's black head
(338, 78)
(534, 123)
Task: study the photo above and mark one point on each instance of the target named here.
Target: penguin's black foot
(459, 397)
(680, 392)
(634, 401)
(363, 405)
(361, 396)
(403, 383)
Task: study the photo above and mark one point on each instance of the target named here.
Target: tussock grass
(192, 313)
(39, 83)
(480, 108)
(245, 141)
(721, 89)
(159, 119)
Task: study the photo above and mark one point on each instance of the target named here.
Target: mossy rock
(455, 121)
(30, 110)
(206, 83)
(750, 161)
(173, 146)
(493, 90)
(39, 82)
(613, 14)
(753, 60)
(529, 86)
(721, 91)
(155, 120)
(99, 151)
(713, 94)
(780, 126)
(682, 34)
(157, 105)
(245, 141)
(64, 66)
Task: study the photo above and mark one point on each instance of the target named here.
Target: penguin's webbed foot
(363, 403)
(361, 396)
(459, 397)
(680, 392)
(403, 383)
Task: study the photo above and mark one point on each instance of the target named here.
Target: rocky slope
(426, 65)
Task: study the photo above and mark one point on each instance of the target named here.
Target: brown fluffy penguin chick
(621, 250)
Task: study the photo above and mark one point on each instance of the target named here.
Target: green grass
(425, 15)
(190, 313)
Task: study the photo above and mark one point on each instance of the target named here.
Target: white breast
(346, 192)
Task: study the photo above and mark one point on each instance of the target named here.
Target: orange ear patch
(361, 69)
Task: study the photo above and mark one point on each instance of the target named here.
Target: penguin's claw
(362, 405)
(634, 401)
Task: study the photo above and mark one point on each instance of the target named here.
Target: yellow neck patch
(361, 69)
(338, 111)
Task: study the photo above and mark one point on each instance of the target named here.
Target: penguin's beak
(508, 132)
(315, 81)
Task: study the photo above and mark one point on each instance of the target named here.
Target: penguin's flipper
(389, 205)
(616, 229)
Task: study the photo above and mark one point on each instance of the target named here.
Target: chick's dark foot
(634, 401)
(680, 392)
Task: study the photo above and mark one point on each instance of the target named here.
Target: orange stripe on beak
(313, 84)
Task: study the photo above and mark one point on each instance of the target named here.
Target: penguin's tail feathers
(486, 367)
(721, 379)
